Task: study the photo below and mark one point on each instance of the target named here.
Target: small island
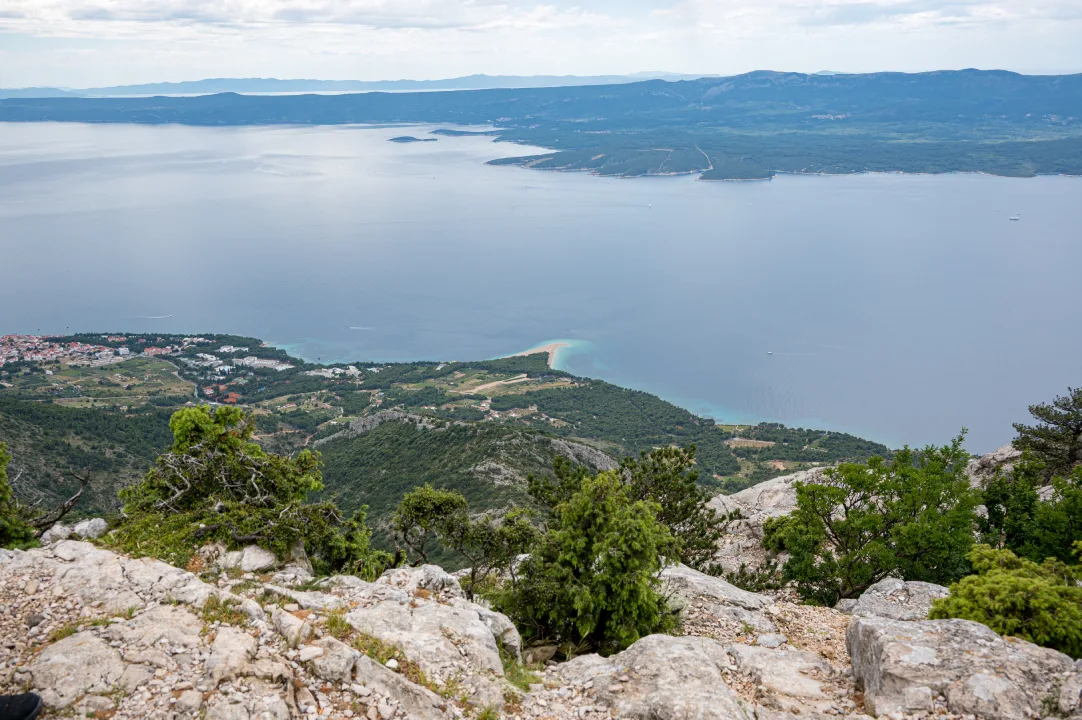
(410, 139)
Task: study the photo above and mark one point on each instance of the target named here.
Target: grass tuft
(223, 610)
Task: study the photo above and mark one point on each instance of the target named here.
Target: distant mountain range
(744, 127)
(272, 86)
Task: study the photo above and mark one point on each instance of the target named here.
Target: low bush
(1015, 596)
(216, 484)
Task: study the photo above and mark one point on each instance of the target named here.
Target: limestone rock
(69, 668)
(335, 661)
(230, 654)
(979, 672)
(899, 599)
(175, 626)
(189, 701)
(771, 640)
(501, 627)
(773, 498)
(1070, 693)
(431, 634)
(418, 702)
(255, 559)
(791, 680)
(980, 470)
(540, 654)
(90, 529)
(684, 586)
(230, 560)
(432, 578)
(444, 640)
(56, 533)
(676, 678)
(309, 653)
(289, 626)
(222, 708)
(308, 600)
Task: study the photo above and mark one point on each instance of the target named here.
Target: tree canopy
(215, 483)
(1056, 439)
(592, 578)
(912, 517)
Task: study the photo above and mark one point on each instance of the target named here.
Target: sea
(901, 308)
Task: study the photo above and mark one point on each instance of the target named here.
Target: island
(748, 126)
(410, 139)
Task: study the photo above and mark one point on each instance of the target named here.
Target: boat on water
(769, 352)
(1014, 218)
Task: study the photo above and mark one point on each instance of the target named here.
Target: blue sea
(900, 308)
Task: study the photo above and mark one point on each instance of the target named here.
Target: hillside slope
(747, 126)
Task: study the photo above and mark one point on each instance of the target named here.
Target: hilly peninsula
(749, 126)
(480, 428)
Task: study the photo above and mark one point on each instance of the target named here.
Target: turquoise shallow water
(897, 307)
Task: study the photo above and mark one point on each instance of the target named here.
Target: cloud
(773, 15)
(104, 16)
(85, 43)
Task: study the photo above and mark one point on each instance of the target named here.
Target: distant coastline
(743, 127)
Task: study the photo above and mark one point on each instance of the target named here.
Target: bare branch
(44, 522)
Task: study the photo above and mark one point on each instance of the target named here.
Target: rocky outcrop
(368, 423)
(786, 679)
(686, 587)
(660, 676)
(1070, 693)
(773, 498)
(96, 632)
(904, 666)
(101, 634)
(75, 666)
(582, 454)
(83, 530)
(980, 470)
(897, 600)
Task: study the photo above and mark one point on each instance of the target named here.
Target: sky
(92, 43)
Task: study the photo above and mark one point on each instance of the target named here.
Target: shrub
(216, 484)
(489, 543)
(592, 578)
(15, 529)
(1018, 520)
(1015, 596)
(912, 517)
(666, 477)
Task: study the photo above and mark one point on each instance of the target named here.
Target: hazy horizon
(92, 43)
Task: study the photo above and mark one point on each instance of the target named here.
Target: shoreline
(550, 348)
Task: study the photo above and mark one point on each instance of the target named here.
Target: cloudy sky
(84, 43)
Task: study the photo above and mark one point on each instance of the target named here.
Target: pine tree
(1057, 438)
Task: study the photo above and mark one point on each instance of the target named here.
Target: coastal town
(46, 348)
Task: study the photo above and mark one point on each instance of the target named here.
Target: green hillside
(746, 126)
(488, 424)
(47, 441)
(487, 462)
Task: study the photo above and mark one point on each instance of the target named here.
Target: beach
(551, 349)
